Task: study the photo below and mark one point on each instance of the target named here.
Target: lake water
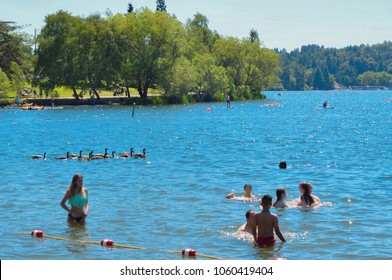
(175, 198)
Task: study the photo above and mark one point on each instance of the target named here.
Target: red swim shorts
(266, 241)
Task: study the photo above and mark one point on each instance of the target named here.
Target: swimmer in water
(250, 220)
(307, 199)
(248, 193)
(325, 104)
(282, 165)
(77, 197)
(265, 225)
(281, 201)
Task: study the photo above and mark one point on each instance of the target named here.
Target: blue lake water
(175, 198)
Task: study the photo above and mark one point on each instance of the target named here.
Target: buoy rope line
(110, 243)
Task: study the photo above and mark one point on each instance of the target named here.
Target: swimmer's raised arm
(230, 195)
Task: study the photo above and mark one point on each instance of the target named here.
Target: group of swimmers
(263, 224)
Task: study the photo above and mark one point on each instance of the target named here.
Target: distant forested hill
(316, 67)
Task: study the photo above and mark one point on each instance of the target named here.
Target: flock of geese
(92, 156)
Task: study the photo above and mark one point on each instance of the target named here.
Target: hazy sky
(281, 24)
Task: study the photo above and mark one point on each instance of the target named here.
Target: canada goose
(38, 156)
(63, 158)
(127, 155)
(140, 155)
(71, 156)
(97, 156)
(102, 155)
(83, 157)
(107, 156)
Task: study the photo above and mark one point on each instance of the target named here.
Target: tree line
(317, 67)
(151, 49)
(147, 49)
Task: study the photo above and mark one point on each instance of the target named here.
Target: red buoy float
(37, 233)
(208, 110)
(189, 252)
(107, 242)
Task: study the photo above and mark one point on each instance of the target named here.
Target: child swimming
(281, 201)
(250, 220)
(247, 196)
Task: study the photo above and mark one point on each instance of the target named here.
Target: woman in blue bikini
(77, 197)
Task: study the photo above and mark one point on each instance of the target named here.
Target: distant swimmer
(250, 220)
(325, 104)
(265, 225)
(281, 201)
(247, 196)
(307, 199)
(77, 197)
(282, 165)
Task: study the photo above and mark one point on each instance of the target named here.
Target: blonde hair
(73, 187)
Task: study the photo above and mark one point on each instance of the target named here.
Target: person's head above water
(305, 185)
(283, 165)
(306, 190)
(266, 201)
(248, 190)
(281, 194)
(250, 215)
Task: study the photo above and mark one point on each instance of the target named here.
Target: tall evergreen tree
(254, 35)
(130, 8)
(318, 80)
(161, 6)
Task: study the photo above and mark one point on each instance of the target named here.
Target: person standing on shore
(77, 197)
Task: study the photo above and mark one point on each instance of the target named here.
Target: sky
(280, 24)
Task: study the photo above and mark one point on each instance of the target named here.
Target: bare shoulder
(274, 216)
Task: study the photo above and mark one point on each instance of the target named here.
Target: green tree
(17, 77)
(318, 80)
(153, 47)
(161, 6)
(130, 8)
(250, 68)
(254, 36)
(59, 53)
(5, 84)
(183, 77)
(211, 79)
(199, 37)
(14, 47)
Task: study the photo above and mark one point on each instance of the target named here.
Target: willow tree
(58, 52)
(153, 46)
(250, 68)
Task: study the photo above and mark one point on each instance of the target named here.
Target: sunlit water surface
(175, 198)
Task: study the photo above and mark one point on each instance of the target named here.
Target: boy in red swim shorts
(266, 223)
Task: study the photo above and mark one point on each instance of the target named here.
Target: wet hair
(247, 215)
(73, 186)
(266, 200)
(306, 195)
(279, 193)
(283, 165)
(248, 185)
